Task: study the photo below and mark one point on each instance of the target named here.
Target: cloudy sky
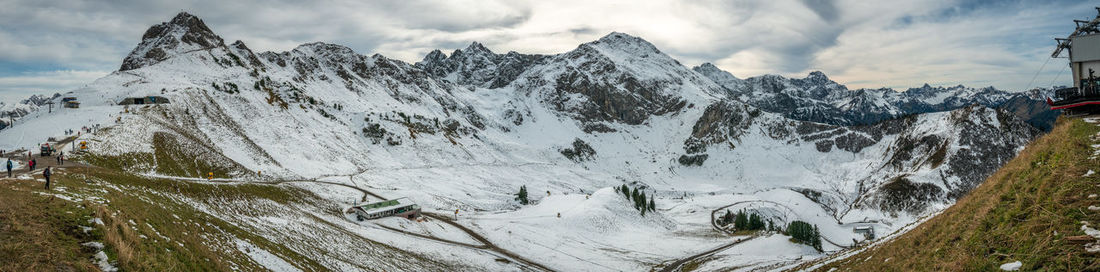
(52, 46)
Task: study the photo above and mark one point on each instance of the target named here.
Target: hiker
(46, 173)
(32, 163)
(9, 168)
(61, 158)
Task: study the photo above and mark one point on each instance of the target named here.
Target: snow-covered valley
(460, 134)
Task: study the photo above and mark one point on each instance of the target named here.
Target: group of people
(32, 163)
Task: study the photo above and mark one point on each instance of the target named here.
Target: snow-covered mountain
(465, 131)
(12, 111)
(817, 98)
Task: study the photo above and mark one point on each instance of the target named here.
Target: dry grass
(41, 233)
(147, 231)
(142, 230)
(1021, 213)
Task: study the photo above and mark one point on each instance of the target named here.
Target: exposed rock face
(617, 79)
(478, 66)
(580, 151)
(962, 147)
(983, 140)
(184, 33)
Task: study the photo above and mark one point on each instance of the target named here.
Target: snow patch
(264, 258)
(1013, 266)
(104, 263)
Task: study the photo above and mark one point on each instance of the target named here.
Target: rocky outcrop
(478, 66)
(182, 34)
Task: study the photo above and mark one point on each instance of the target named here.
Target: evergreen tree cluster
(746, 221)
(805, 233)
(522, 195)
(639, 199)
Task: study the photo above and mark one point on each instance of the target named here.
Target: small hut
(144, 100)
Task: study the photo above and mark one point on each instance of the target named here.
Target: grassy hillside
(154, 224)
(143, 228)
(42, 233)
(1022, 213)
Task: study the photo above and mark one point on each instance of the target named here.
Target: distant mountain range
(816, 98)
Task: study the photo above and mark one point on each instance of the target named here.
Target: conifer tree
(742, 221)
(755, 223)
(728, 218)
(522, 195)
(652, 206)
(626, 191)
(815, 239)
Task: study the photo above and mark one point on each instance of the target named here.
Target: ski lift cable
(1029, 84)
(1056, 75)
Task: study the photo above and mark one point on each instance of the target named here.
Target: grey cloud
(826, 9)
(860, 41)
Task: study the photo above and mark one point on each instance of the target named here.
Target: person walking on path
(31, 164)
(46, 173)
(9, 168)
(61, 158)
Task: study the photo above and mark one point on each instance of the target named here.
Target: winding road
(676, 265)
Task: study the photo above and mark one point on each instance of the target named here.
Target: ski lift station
(70, 102)
(402, 207)
(1083, 46)
(867, 231)
(144, 100)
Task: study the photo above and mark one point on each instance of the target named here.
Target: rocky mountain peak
(707, 68)
(184, 33)
(325, 48)
(239, 45)
(723, 78)
(435, 56)
(478, 48)
(622, 42)
(817, 75)
(477, 65)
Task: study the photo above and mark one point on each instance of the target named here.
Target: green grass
(1021, 213)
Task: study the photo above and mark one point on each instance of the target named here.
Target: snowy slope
(465, 131)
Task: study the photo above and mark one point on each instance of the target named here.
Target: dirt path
(41, 162)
